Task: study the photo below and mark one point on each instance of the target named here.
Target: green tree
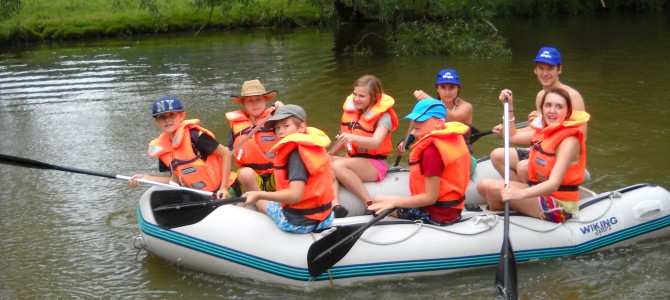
(419, 27)
(225, 5)
(8, 8)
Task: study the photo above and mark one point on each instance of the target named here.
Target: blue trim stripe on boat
(377, 269)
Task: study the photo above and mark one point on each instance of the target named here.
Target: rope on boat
(487, 221)
(418, 222)
(611, 196)
(556, 226)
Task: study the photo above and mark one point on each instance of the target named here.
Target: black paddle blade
(506, 287)
(178, 217)
(475, 134)
(24, 162)
(318, 266)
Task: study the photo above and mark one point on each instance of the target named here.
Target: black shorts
(522, 153)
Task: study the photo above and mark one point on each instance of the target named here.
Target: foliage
(47, 20)
(543, 8)
(8, 8)
(455, 37)
(438, 21)
(458, 27)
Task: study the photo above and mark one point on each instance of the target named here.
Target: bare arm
(463, 114)
(226, 159)
(370, 142)
(420, 95)
(567, 152)
(385, 202)
(521, 136)
(134, 180)
(293, 194)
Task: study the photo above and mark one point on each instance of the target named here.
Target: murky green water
(87, 105)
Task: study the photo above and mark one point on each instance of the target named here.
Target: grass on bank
(41, 20)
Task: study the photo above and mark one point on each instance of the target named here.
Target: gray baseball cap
(285, 111)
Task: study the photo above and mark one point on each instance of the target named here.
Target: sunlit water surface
(87, 105)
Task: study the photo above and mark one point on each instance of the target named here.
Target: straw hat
(253, 88)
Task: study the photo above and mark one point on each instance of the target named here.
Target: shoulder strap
(195, 135)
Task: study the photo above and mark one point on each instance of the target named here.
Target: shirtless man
(547, 68)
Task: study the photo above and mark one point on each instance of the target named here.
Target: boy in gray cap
(303, 200)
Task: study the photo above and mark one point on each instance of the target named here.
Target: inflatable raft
(237, 241)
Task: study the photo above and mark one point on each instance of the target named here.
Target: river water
(87, 105)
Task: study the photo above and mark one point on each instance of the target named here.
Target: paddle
(212, 203)
(474, 137)
(326, 252)
(252, 132)
(505, 282)
(29, 163)
(405, 143)
(177, 208)
(337, 145)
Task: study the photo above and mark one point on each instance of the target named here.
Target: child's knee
(246, 175)
(337, 166)
(482, 186)
(497, 154)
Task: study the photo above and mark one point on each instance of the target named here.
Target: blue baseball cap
(548, 55)
(166, 105)
(427, 108)
(448, 76)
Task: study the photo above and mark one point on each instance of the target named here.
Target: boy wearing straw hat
(250, 140)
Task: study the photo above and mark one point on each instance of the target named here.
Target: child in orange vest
(253, 159)
(366, 126)
(188, 151)
(303, 200)
(439, 169)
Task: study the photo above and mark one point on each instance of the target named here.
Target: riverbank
(57, 20)
(60, 20)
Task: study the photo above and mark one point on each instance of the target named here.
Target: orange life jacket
(450, 143)
(255, 152)
(543, 155)
(179, 155)
(353, 122)
(315, 205)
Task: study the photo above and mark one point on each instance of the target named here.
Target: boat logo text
(600, 227)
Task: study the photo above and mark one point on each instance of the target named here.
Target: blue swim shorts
(276, 213)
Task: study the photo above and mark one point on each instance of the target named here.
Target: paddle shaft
(481, 134)
(218, 202)
(29, 163)
(355, 235)
(336, 145)
(508, 288)
(405, 142)
(506, 224)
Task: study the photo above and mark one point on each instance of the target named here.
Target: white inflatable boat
(237, 241)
